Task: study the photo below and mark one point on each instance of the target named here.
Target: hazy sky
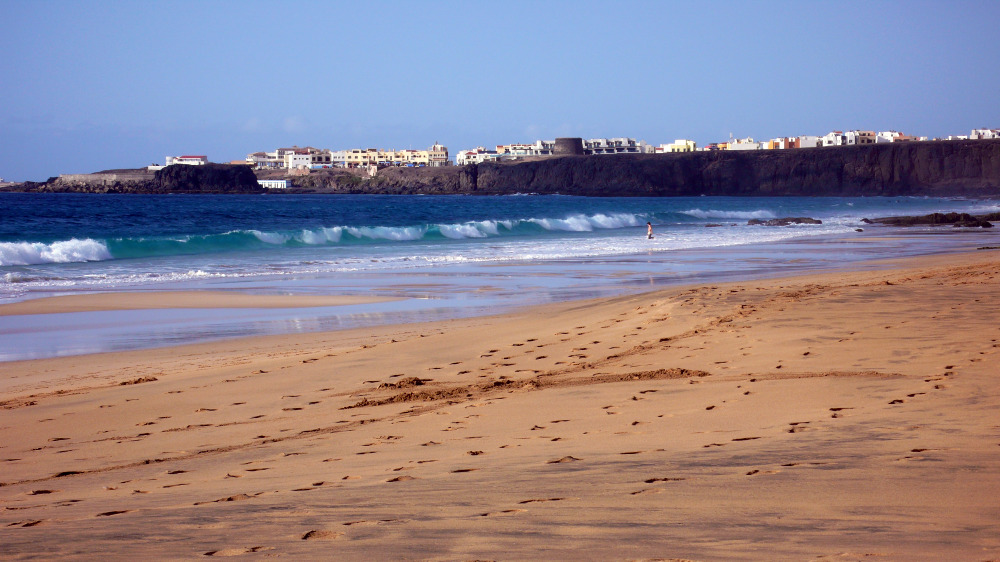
(88, 86)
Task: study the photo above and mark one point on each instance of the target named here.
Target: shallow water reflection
(443, 292)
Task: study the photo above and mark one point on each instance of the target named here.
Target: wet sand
(155, 300)
(835, 416)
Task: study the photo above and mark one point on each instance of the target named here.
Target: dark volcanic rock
(210, 178)
(953, 219)
(937, 168)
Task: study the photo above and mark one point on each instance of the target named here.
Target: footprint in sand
(402, 478)
(367, 522)
(541, 500)
(26, 523)
(110, 513)
(319, 534)
(502, 513)
(567, 458)
(237, 551)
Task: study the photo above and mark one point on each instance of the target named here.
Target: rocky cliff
(940, 168)
(918, 168)
(211, 178)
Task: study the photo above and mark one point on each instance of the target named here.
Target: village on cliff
(273, 168)
(301, 160)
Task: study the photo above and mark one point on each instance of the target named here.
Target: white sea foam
(584, 223)
(66, 251)
(455, 231)
(737, 215)
(321, 236)
(270, 237)
(397, 233)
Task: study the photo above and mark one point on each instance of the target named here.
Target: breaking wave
(88, 250)
(733, 215)
(66, 251)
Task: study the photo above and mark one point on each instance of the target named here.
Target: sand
(174, 299)
(836, 416)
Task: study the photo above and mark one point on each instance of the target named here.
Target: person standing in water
(649, 231)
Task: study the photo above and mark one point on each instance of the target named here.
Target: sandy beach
(833, 416)
(149, 300)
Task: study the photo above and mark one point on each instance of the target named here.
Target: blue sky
(88, 86)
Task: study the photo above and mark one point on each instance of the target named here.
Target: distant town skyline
(93, 85)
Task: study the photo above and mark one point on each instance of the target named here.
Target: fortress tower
(568, 146)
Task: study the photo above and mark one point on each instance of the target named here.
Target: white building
(809, 141)
(887, 136)
(982, 134)
(744, 144)
(679, 145)
(298, 159)
(291, 158)
(835, 138)
(273, 184)
(187, 160)
(522, 150)
(476, 156)
(620, 145)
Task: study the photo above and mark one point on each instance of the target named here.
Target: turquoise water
(448, 255)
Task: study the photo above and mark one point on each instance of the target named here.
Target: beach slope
(831, 416)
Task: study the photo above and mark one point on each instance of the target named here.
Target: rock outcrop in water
(938, 219)
(211, 178)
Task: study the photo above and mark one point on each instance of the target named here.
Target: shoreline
(100, 321)
(159, 300)
(802, 417)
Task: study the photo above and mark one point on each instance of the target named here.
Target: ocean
(447, 256)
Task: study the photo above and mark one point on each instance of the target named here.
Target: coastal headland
(935, 168)
(842, 415)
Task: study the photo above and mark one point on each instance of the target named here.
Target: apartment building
(477, 155)
(522, 150)
(984, 134)
(744, 144)
(436, 155)
(621, 145)
(291, 158)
